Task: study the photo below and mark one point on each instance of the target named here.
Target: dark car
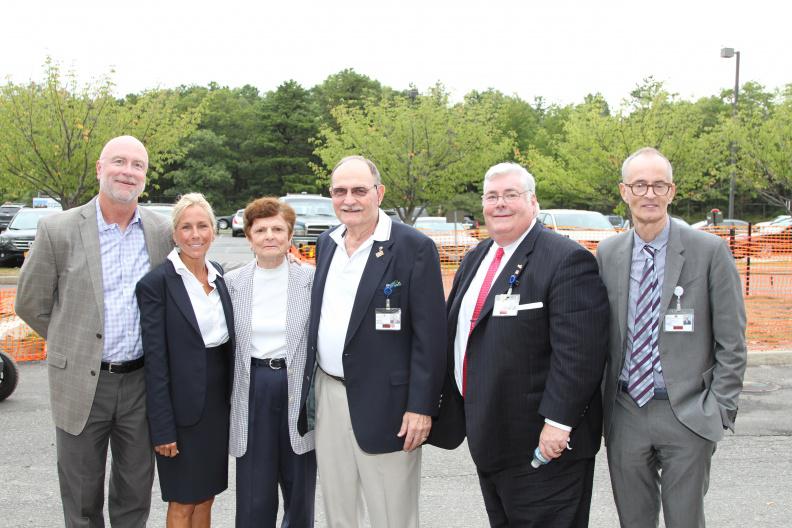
(17, 239)
(7, 212)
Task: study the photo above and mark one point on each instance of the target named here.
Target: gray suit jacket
(240, 286)
(60, 295)
(703, 370)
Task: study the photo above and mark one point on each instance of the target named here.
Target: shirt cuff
(558, 425)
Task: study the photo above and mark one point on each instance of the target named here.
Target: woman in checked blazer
(271, 299)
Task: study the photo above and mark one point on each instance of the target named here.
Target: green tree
(52, 132)
(426, 150)
(764, 135)
(348, 88)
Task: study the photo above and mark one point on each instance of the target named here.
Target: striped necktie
(645, 351)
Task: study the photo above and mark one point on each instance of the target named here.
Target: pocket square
(530, 306)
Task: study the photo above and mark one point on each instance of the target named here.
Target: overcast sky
(558, 49)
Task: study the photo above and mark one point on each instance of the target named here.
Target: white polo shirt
(343, 279)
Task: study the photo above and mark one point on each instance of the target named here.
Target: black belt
(659, 394)
(337, 378)
(273, 363)
(123, 367)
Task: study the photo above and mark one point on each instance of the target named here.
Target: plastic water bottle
(538, 459)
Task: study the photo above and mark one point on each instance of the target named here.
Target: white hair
(508, 167)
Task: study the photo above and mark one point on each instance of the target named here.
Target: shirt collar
(181, 269)
(381, 232)
(104, 226)
(658, 243)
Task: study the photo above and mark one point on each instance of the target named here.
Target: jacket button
(99, 336)
(346, 355)
(93, 373)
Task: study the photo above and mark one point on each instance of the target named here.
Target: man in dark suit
(527, 343)
(676, 364)
(377, 329)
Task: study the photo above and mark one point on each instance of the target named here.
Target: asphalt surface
(751, 480)
(750, 485)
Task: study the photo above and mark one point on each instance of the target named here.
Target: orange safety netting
(17, 339)
(763, 257)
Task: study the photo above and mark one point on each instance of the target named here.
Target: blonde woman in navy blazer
(271, 298)
(187, 328)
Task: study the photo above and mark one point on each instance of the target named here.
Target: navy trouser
(269, 460)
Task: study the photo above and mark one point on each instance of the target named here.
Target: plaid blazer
(240, 286)
(60, 295)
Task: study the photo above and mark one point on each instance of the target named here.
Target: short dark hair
(267, 207)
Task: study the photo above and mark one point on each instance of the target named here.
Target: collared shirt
(471, 296)
(124, 260)
(268, 312)
(639, 258)
(208, 307)
(343, 279)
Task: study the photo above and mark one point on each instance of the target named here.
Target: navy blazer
(172, 345)
(543, 363)
(387, 373)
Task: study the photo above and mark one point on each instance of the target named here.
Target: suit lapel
(180, 295)
(370, 282)
(89, 234)
(622, 267)
(228, 310)
(675, 259)
(521, 255)
(470, 271)
(243, 284)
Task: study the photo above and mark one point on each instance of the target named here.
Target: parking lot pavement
(749, 486)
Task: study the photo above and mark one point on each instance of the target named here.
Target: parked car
(588, 228)
(164, 209)
(17, 239)
(224, 222)
(7, 212)
(315, 215)
(453, 241)
(777, 219)
(238, 224)
(724, 224)
(9, 375)
(766, 241)
(617, 221)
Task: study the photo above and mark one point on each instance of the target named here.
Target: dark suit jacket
(387, 373)
(172, 346)
(543, 363)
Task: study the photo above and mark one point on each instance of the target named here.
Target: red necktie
(482, 297)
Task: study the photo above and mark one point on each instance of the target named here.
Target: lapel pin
(379, 252)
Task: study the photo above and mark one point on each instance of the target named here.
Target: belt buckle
(272, 364)
(110, 368)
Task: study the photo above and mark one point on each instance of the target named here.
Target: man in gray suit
(677, 352)
(77, 290)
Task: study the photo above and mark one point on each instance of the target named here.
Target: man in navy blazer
(375, 355)
(527, 340)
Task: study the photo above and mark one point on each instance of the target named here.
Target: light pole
(728, 53)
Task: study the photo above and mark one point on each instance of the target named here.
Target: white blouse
(268, 312)
(208, 308)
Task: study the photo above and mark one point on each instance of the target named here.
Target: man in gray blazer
(677, 352)
(77, 290)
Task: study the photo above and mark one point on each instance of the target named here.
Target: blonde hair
(188, 200)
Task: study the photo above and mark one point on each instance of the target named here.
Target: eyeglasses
(508, 197)
(641, 188)
(357, 192)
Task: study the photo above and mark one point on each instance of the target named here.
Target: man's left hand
(415, 429)
(553, 441)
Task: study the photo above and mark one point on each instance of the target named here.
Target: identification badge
(679, 321)
(506, 305)
(387, 319)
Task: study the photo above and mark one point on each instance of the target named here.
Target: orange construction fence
(763, 256)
